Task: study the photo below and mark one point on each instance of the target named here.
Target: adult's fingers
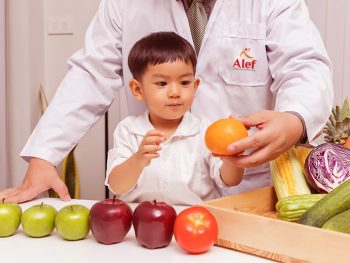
(253, 120)
(257, 140)
(21, 195)
(4, 195)
(254, 159)
(61, 189)
(7, 192)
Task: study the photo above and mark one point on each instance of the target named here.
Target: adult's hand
(277, 132)
(41, 175)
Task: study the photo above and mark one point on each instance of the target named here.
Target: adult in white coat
(262, 60)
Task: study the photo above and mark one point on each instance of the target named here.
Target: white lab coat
(291, 71)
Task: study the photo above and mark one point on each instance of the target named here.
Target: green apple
(10, 218)
(72, 222)
(39, 220)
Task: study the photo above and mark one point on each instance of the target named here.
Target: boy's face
(168, 90)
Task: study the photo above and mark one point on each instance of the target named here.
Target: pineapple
(337, 129)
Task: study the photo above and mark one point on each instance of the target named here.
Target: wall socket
(60, 25)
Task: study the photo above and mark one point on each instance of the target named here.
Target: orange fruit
(222, 133)
(347, 143)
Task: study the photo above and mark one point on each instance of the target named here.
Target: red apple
(153, 224)
(110, 220)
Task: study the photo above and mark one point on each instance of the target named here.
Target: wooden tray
(248, 223)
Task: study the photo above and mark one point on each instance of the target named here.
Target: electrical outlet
(60, 25)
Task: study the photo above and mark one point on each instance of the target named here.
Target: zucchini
(292, 207)
(335, 202)
(339, 223)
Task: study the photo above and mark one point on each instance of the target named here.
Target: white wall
(3, 130)
(332, 17)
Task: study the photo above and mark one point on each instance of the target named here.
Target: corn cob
(288, 175)
(301, 153)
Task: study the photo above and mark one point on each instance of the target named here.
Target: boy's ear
(135, 88)
(196, 83)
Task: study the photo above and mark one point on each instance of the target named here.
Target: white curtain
(3, 154)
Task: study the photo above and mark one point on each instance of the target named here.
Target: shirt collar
(190, 125)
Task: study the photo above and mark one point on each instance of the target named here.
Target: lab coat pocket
(246, 61)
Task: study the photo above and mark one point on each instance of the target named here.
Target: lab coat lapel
(211, 20)
(181, 21)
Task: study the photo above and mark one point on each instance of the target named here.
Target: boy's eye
(185, 82)
(161, 83)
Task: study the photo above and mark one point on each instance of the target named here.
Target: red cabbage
(327, 166)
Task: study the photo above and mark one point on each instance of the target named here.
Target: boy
(160, 154)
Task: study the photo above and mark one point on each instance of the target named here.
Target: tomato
(195, 229)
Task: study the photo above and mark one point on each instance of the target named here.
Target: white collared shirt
(185, 173)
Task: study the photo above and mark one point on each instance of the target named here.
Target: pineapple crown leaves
(339, 114)
(344, 111)
(338, 126)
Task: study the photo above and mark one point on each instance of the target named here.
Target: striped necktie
(198, 20)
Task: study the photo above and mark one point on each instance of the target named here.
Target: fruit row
(195, 228)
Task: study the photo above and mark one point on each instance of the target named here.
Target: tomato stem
(154, 201)
(41, 205)
(3, 200)
(114, 197)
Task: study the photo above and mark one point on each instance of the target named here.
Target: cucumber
(298, 199)
(336, 202)
(290, 216)
(339, 223)
(292, 207)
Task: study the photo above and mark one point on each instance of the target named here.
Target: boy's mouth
(174, 104)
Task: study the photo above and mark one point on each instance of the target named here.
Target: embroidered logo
(245, 61)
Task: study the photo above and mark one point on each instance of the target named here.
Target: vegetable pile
(327, 171)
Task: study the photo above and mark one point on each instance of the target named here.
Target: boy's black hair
(158, 48)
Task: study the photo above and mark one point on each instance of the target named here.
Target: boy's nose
(174, 91)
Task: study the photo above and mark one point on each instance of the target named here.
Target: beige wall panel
(318, 14)
(34, 57)
(24, 71)
(346, 83)
(3, 129)
(335, 42)
(90, 153)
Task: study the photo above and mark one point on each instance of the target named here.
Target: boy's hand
(41, 176)
(149, 147)
(278, 131)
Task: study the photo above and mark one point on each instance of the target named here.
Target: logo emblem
(245, 61)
